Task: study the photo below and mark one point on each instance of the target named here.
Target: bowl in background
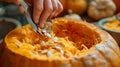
(6, 25)
(115, 34)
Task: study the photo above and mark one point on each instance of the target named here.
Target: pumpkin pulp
(67, 40)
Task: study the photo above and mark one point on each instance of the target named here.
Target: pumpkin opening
(69, 38)
(78, 33)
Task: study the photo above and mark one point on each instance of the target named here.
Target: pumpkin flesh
(81, 41)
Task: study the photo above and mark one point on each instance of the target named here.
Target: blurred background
(10, 18)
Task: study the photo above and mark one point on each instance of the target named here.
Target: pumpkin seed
(44, 51)
(48, 35)
(42, 43)
(40, 31)
(62, 52)
(55, 39)
(49, 53)
(18, 44)
(43, 30)
(57, 47)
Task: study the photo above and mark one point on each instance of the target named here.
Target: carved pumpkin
(73, 44)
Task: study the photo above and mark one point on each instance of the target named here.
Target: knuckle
(49, 9)
(55, 7)
(39, 8)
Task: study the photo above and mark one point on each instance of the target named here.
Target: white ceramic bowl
(115, 34)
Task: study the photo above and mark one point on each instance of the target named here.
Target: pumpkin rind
(104, 53)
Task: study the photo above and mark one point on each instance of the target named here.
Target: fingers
(37, 10)
(48, 8)
(60, 8)
(55, 8)
(45, 9)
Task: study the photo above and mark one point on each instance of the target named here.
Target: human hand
(42, 9)
(45, 9)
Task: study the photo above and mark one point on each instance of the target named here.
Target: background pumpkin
(99, 9)
(102, 50)
(76, 6)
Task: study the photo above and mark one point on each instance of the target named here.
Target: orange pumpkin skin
(103, 50)
(77, 6)
(117, 3)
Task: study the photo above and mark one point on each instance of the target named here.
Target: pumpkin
(76, 6)
(99, 9)
(73, 43)
(117, 5)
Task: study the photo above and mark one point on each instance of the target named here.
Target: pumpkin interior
(79, 33)
(74, 39)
